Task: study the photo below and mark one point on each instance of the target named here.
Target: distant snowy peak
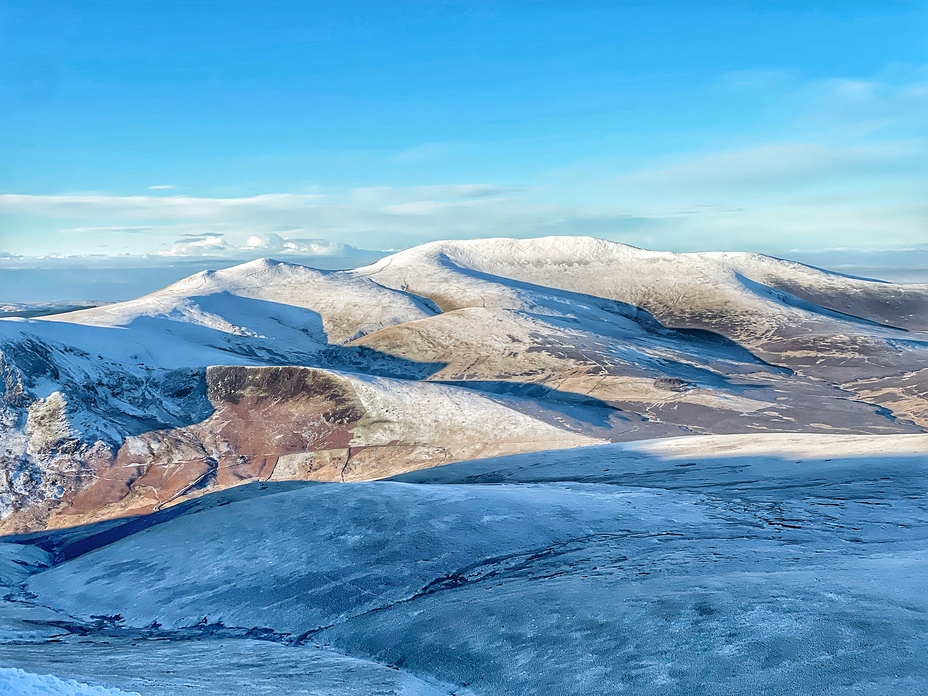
(327, 306)
(675, 286)
(581, 251)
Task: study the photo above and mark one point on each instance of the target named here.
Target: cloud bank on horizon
(308, 130)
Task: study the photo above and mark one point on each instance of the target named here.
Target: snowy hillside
(265, 299)
(663, 283)
(449, 351)
(283, 423)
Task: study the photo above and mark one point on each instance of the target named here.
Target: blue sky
(236, 129)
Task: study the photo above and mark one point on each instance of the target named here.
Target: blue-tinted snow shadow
(738, 479)
(534, 398)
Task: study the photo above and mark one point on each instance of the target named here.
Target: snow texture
(16, 681)
(725, 564)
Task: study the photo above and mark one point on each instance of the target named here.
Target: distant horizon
(76, 279)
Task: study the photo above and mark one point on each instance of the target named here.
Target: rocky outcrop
(64, 413)
(289, 422)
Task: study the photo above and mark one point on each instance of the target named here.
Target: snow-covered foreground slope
(473, 348)
(717, 565)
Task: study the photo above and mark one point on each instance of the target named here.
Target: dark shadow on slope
(368, 361)
(71, 542)
(718, 345)
(577, 407)
(789, 299)
(737, 480)
(887, 304)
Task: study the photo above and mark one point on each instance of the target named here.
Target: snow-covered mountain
(556, 466)
(445, 352)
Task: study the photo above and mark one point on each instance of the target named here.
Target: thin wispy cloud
(698, 204)
(127, 229)
(67, 205)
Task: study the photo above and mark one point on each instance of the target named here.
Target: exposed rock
(47, 425)
(301, 423)
(674, 384)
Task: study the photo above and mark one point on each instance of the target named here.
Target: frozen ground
(774, 564)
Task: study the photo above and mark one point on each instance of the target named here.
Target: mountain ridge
(579, 338)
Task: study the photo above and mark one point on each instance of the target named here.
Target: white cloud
(161, 187)
(769, 199)
(267, 244)
(208, 246)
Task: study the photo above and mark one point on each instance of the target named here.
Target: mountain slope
(283, 423)
(767, 306)
(546, 342)
(287, 300)
(717, 291)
